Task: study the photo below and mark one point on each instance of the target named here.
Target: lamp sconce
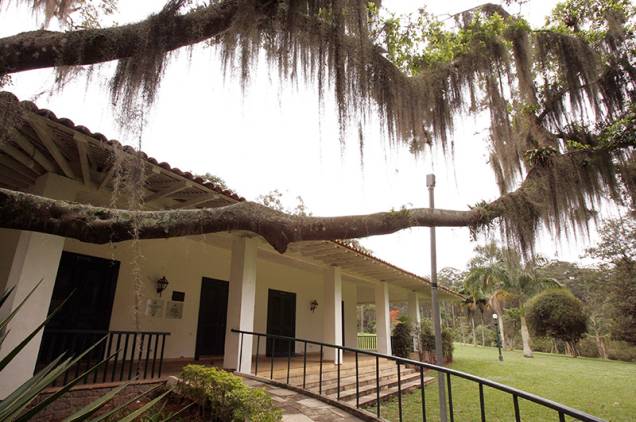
(313, 305)
(162, 283)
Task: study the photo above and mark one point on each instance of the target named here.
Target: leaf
(95, 405)
(124, 405)
(5, 361)
(37, 408)
(144, 408)
(174, 415)
(5, 321)
(5, 295)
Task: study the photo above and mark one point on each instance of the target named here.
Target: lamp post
(439, 355)
(498, 339)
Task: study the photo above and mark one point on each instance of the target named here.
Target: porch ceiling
(48, 144)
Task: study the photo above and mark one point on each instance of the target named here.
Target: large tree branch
(23, 211)
(46, 49)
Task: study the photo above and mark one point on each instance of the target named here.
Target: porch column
(36, 257)
(414, 316)
(382, 318)
(240, 304)
(414, 309)
(333, 313)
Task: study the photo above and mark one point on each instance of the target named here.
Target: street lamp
(494, 317)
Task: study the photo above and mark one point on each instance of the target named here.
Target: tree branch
(46, 49)
(23, 211)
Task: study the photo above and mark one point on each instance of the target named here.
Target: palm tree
(523, 283)
(475, 299)
(484, 277)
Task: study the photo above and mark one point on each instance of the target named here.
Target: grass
(606, 389)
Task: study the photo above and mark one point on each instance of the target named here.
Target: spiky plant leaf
(86, 411)
(123, 405)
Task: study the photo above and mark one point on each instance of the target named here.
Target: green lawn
(606, 389)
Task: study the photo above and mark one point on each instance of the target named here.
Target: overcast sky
(276, 137)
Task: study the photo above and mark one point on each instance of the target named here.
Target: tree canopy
(560, 101)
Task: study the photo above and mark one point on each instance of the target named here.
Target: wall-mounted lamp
(313, 305)
(162, 283)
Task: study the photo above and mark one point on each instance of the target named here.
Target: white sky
(273, 137)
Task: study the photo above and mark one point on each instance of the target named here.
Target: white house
(215, 282)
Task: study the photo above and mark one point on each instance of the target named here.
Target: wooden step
(369, 399)
(332, 381)
(350, 392)
(296, 369)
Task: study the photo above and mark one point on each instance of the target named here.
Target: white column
(36, 257)
(414, 316)
(333, 312)
(240, 304)
(382, 318)
(414, 309)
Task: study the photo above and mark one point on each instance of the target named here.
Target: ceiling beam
(170, 190)
(107, 177)
(20, 157)
(83, 158)
(17, 167)
(26, 144)
(46, 138)
(199, 200)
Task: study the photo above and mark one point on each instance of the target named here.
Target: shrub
(402, 338)
(225, 396)
(427, 342)
(621, 350)
(558, 314)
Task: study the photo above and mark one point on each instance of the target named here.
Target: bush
(427, 342)
(621, 350)
(558, 314)
(402, 338)
(226, 396)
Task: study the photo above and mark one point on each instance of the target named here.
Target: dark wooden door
(89, 284)
(212, 318)
(281, 320)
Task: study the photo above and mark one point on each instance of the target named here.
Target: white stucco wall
(183, 262)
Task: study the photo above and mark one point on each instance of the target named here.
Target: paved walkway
(301, 408)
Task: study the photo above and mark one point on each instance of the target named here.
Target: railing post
(399, 381)
(338, 366)
(450, 397)
(304, 364)
(377, 385)
(271, 368)
(163, 345)
(320, 376)
(422, 394)
(240, 353)
(515, 401)
(482, 406)
(357, 384)
(258, 346)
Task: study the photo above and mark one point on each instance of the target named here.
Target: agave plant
(19, 407)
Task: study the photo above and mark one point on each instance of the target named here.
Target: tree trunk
(600, 346)
(500, 326)
(525, 338)
(570, 348)
(472, 320)
(483, 340)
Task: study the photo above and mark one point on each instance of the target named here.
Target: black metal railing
(131, 354)
(561, 411)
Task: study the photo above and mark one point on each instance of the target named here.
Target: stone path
(301, 408)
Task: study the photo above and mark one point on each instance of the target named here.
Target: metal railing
(131, 354)
(561, 411)
(367, 341)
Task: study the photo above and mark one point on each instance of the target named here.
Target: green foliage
(557, 313)
(225, 397)
(427, 339)
(402, 338)
(617, 251)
